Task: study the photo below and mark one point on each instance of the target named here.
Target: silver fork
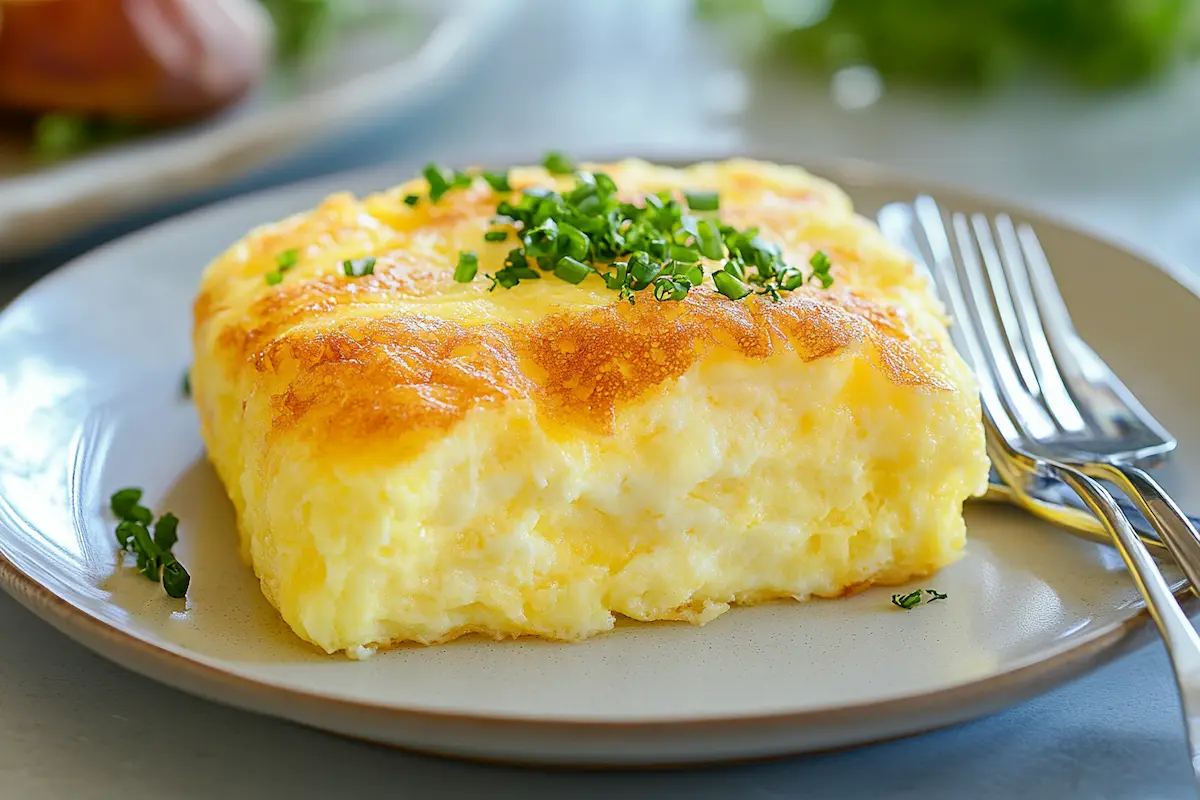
(1016, 454)
(1079, 411)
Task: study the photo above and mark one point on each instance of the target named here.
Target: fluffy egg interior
(412, 459)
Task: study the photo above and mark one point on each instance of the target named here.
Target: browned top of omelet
(407, 348)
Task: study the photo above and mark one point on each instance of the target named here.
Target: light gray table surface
(74, 726)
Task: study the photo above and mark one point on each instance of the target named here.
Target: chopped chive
(498, 182)
(619, 277)
(934, 594)
(685, 254)
(557, 163)
(165, 531)
(358, 267)
(642, 270)
(516, 259)
(123, 501)
(439, 179)
(703, 200)
(542, 241)
(147, 552)
(140, 514)
(791, 279)
(287, 259)
(153, 552)
(525, 273)
(821, 266)
(653, 242)
(690, 273)
(125, 529)
(175, 579)
(730, 286)
(468, 266)
(412, 199)
(571, 270)
(186, 385)
(274, 278)
(708, 240)
(605, 186)
(572, 242)
(505, 278)
(907, 601)
(668, 288)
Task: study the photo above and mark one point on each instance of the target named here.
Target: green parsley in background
(1092, 43)
(299, 25)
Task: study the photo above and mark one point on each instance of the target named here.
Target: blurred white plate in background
(364, 72)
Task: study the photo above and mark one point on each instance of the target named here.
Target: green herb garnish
(412, 199)
(730, 286)
(185, 386)
(703, 201)
(558, 163)
(284, 261)
(821, 266)
(175, 579)
(669, 288)
(571, 270)
(913, 599)
(139, 514)
(439, 179)
(358, 267)
(654, 244)
(124, 500)
(166, 531)
(287, 259)
(152, 553)
(907, 601)
(498, 182)
(468, 267)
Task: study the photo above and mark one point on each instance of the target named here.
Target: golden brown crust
(349, 360)
(388, 377)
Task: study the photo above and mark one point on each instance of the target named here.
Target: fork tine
(1113, 409)
(963, 331)
(1026, 411)
(994, 267)
(1038, 322)
(1043, 286)
(898, 222)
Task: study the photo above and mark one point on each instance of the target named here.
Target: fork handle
(1183, 645)
(1173, 526)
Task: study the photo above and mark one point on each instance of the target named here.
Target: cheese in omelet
(412, 458)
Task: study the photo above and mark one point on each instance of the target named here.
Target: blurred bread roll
(143, 60)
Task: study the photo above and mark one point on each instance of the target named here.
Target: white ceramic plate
(90, 366)
(362, 72)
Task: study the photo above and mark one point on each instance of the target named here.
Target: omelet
(413, 457)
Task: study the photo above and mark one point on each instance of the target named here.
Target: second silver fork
(978, 332)
(1070, 403)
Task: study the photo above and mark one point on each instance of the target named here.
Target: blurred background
(116, 113)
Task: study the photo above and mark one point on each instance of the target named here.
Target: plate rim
(1102, 646)
(1025, 678)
